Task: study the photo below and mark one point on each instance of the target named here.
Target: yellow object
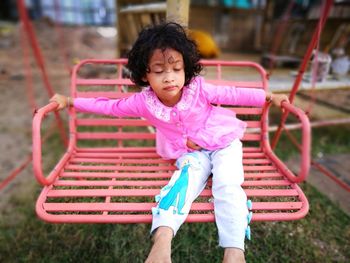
(5, 30)
(75, 61)
(205, 43)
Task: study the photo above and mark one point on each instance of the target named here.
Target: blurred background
(40, 42)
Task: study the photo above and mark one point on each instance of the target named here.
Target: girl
(204, 139)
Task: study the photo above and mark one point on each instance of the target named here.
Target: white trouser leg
(175, 199)
(230, 201)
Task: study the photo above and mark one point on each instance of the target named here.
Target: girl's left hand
(277, 99)
(61, 100)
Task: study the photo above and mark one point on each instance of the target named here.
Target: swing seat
(110, 172)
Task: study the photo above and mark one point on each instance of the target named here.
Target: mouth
(170, 88)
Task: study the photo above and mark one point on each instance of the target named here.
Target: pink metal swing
(108, 176)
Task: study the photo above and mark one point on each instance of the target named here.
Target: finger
(60, 106)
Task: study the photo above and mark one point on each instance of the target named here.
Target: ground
(16, 111)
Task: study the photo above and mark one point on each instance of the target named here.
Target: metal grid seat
(111, 172)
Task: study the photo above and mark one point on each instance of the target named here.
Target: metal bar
(28, 70)
(110, 183)
(82, 174)
(153, 192)
(136, 219)
(328, 173)
(118, 167)
(259, 168)
(119, 161)
(256, 161)
(116, 207)
(305, 150)
(135, 158)
(40, 62)
(143, 183)
(320, 123)
(111, 122)
(95, 175)
(240, 84)
(124, 155)
(148, 161)
(104, 82)
(262, 175)
(146, 207)
(121, 150)
(115, 135)
(327, 6)
(37, 147)
(15, 172)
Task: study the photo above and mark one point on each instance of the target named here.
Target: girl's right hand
(190, 144)
(62, 101)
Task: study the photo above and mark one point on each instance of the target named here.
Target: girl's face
(166, 75)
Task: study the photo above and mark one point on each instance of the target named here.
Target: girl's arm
(125, 107)
(228, 95)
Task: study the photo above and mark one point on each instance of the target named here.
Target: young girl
(204, 139)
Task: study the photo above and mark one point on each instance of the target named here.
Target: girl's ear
(144, 79)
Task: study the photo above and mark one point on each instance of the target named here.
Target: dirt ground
(16, 112)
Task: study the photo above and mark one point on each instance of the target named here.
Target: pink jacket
(193, 117)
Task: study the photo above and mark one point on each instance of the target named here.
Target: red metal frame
(28, 29)
(326, 7)
(305, 149)
(115, 184)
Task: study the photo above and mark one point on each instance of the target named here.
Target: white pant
(230, 201)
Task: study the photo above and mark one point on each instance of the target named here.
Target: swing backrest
(129, 132)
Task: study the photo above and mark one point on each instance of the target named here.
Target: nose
(168, 77)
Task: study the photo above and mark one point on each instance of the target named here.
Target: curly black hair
(162, 36)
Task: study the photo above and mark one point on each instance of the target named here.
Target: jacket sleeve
(131, 106)
(230, 95)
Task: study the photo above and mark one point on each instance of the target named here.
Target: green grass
(324, 140)
(323, 236)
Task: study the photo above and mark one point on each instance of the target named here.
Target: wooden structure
(132, 16)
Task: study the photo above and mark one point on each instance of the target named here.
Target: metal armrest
(305, 145)
(39, 115)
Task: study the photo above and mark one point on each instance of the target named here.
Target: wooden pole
(117, 25)
(178, 11)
